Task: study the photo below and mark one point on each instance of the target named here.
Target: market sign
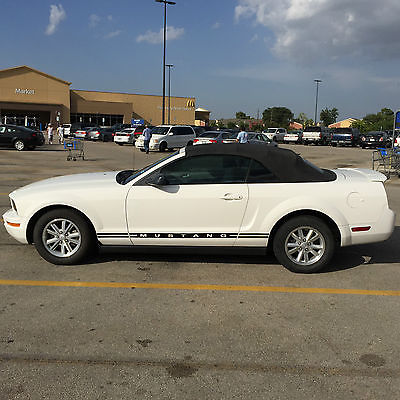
(137, 121)
(25, 91)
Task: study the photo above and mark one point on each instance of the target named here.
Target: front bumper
(15, 226)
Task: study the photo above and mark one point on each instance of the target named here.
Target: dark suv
(19, 137)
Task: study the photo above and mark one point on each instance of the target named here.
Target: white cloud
(57, 14)
(311, 29)
(94, 19)
(157, 37)
(217, 25)
(113, 34)
(254, 38)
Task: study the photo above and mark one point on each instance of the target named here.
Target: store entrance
(32, 119)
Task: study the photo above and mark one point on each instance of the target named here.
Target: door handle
(230, 196)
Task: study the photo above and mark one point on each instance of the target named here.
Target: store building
(31, 97)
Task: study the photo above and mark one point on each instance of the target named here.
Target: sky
(231, 55)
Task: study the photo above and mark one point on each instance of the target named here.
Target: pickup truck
(276, 134)
(345, 137)
(316, 135)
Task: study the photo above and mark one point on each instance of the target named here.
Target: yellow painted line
(3, 194)
(177, 286)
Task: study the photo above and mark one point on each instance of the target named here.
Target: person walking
(50, 133)
(146, 138)
(60, 132)
(242, 137)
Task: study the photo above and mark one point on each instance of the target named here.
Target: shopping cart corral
(386, 161)
(75, 148)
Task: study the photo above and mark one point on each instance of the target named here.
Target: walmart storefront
(31, 97)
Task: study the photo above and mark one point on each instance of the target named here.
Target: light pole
(169, 91)
(165, 40)
(317, 81)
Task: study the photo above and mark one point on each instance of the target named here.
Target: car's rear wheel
(304, 244)
(19, 145)
(63, 237)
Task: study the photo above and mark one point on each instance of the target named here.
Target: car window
(207, 169)
(2, 129)
(11, 130)
(258, 173)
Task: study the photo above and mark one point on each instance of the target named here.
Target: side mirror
(157, 181)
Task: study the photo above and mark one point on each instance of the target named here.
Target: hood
(70, 182)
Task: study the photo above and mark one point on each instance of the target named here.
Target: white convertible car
(211, 195)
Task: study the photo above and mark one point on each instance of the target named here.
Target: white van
(165, 137)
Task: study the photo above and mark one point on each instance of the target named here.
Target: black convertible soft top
(286, 165)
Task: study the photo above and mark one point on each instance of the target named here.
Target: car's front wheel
(62, 236)
(304, 244)
(163, 146)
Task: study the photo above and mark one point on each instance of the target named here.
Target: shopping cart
(386, 161)
(75, 148)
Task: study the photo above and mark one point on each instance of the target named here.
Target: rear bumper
(379, 231)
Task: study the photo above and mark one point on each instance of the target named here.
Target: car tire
(19, 145)
(163, 147)
(64, 249)
(292, 249)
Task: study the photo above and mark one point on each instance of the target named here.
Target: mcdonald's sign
(190, 103)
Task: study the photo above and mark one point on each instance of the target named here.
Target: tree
(231, 125)
(381, 121)
(329, 116)
(241, 115)
(304, 120)
(277, 117)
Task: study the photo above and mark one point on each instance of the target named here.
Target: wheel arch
(328, 220)
(35, 217)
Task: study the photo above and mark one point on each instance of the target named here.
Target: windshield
(209, 134)
(271, 130)
(129, 175)
(160, 130)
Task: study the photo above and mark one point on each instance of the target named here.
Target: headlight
(156, 140)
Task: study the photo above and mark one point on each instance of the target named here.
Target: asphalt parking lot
(194, 326)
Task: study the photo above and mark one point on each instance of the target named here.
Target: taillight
(213, 141)
(33, 134)
(381, 139)
(195, 140)
(320, 135)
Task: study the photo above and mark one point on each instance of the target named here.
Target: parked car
(345, 137)
(168, 137)
(375, 139)
(276, 134)
(101, 134)
(126, 136)
(260, 138)
(243, 196)
(81, 133)
(316, 135)
(19, 137)
(215, 137)
(67, 130)
(293, 137)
